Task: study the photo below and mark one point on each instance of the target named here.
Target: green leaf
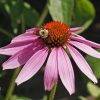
(15, 13)
(84, 13)
(19, 11)
(93, 90)
(82, 98)
(30, 15)
(19, 98)
(95, 64)
(61, 10)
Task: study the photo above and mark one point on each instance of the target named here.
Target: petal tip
(4, 67)
(72, 92)
(17, 82)
(47, 89)
(95, 81)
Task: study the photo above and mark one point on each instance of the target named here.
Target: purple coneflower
(50, 43)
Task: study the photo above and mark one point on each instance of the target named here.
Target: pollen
(58, 33)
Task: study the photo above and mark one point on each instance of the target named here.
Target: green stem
(53, 91)
(12, 85)
(6, 33)
(43, 16)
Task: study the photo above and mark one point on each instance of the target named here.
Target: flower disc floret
(58, 34)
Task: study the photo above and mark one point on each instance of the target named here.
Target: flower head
(50, 43)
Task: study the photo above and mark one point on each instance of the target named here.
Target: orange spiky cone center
(58, 33)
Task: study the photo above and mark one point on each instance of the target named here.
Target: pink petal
(32, 30)
(13, 48)
(76, 35)
(20, 58)
(75, 29)
(81, 63)
(32, 66)
(25, 37)
(85, 48)
(87, 42)
(66, 71)
(51, 71)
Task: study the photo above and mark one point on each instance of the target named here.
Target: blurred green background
(18, 15)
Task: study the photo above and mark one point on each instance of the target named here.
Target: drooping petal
(66, 71)
(14, 62)
(32, 66)
(20, 58)
(81, 63)
(13, 48)
(25, 37)
(87, 42)
(51, 71)
(75, 29)
(85, 48)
